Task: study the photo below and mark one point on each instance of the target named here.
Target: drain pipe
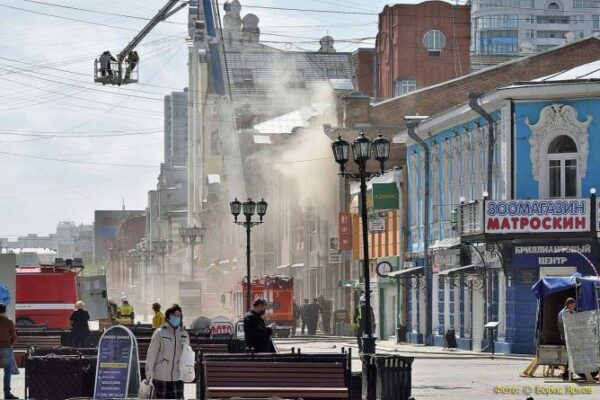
(475, 106)
(411, 124)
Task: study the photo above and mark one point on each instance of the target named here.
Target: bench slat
(294, 392)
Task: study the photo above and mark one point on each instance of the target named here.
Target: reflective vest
(125, 313)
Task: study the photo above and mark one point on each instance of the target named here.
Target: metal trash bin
(389, 376)
(401, 333)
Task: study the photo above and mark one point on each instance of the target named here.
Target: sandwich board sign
(118, 368)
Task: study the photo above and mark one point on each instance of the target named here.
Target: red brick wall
(438, 98)
(363, 62)
(400, 50)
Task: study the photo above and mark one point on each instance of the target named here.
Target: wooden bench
(23, 344)
(197, 345)
(306, 376)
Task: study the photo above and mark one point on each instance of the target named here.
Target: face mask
(261, 313)
(175, 321)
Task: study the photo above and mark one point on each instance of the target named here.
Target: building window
(297, 79)
(529, 33)
(243, 77)
(498, 42)
(562, 167)
(497, 21)
(403, 86)
(434, 41)
(337, 73)
(578, 19)
(596, 21)
(586, 3)
(553, 6)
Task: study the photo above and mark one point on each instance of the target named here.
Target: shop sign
(527, 276)
(376, 223)
(551, 255)
(345, 230)
(335, 257)
(445, 259)
(537, 216)
(385, 196)
(221, 326)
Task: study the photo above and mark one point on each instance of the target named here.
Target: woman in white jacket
(162, 361)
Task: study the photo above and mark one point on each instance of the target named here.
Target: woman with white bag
(168, 344)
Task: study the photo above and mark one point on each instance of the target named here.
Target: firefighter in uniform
(125, 314)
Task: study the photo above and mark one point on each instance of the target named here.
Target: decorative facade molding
(556, 120)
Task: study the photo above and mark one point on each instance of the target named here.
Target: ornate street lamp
(162, 247)
(189, 235)
(363, 149)
(248, 208)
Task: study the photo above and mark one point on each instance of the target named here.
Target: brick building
(360, 114)
(419, 45)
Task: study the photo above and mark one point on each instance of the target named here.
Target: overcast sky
(68, 146)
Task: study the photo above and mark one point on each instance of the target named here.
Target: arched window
(553, 6)
(434, 41)
(562, 167)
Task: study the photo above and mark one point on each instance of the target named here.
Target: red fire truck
(278, 290)
(46, 294)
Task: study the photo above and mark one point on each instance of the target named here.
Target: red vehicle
(46, 295)
(278, 290)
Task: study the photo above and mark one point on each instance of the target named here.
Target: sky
(68, 146)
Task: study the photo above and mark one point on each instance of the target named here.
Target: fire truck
(278, 291)
(46, 293)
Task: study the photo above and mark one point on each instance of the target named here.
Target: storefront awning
(464, 268)
(406, 271)
(284, 266)
(300, 265)
(445, 244)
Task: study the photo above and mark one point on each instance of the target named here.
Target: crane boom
(103, 68)
(162, 14)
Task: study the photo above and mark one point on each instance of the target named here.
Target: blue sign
(4, 295)
(544, 255)
(118, 369)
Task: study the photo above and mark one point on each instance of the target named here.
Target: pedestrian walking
(304, 315)
(125, 313)
(256, 333)
(326, 309)
(80, 330)
(296, 316)
(314, 311)
(8, 336)
(164, 354)
(159, 318)
(569, 308)
(360, 322)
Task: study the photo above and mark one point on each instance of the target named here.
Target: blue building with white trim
(488, 244)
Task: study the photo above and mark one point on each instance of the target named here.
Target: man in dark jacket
(256, 333)
(569, 308)
(8, 336)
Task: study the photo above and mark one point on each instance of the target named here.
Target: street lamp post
(248, 208)
(362, 151)
(146, 259)
(162, 247)
(189, 235)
